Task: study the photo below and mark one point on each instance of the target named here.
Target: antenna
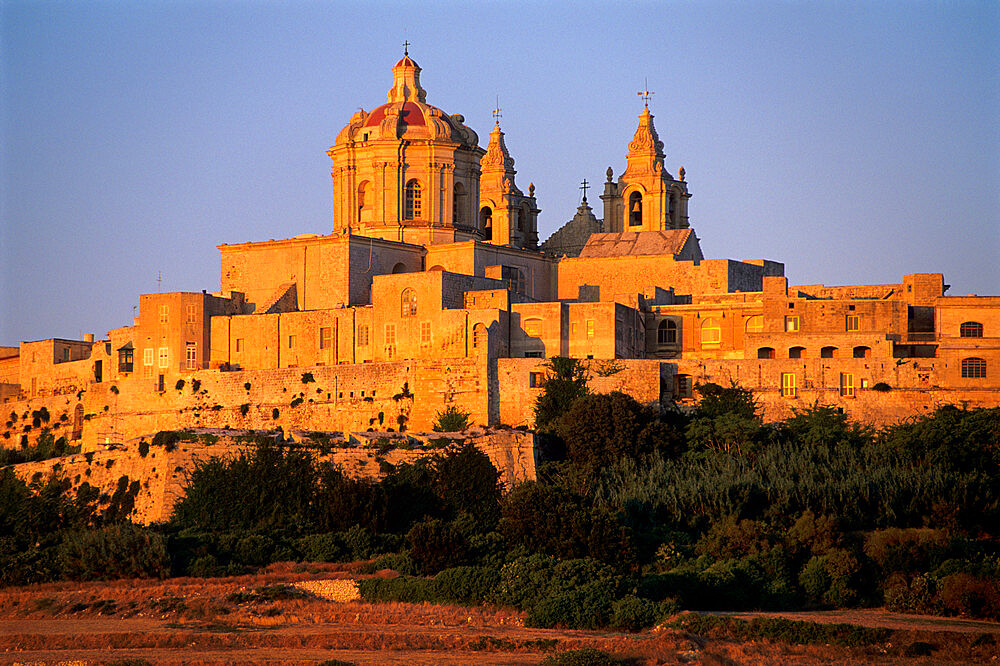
(159, 280)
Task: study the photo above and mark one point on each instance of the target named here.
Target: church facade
(432, 290)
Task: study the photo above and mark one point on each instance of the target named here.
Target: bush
(143, 448)
(409, 590)
(832, 579)
(566, 381)
(467, 584)
(322, 548)
(581, 657)
(116, 551)
(179, 385)
(587, 606)
(437, 545)
(401, 563)
(633, 613)
(451, 419)
(964, 594)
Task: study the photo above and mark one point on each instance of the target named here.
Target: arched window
(672, 210)
(409, 303)
(666, 332)
(486, 222)
(77, 422)
(478, 336)
(362, 199)
(458, 204)
(533, 327)
(412, 208)
(828, 352)
(524, 218)
(862, 352)
(400, 267)
(971, 329)
(974, 368)
(796, 352)
(765, 352)
(635, 209)
(755, 324)
(711, 331)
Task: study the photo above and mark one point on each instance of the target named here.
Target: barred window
(788, 385)
(971, 329)
(413, 204)
(974, 368)
(409, 303)
(666, 332)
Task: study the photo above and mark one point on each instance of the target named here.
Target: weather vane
(584, 186)
(496, 112)
(646, 93)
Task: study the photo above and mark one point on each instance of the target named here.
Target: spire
(406, 80)
(645, 152)
(497, 157)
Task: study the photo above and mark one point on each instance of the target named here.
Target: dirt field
(230, 620)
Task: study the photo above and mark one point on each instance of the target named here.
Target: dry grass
(265, 618)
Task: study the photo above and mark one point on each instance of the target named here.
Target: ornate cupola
(506, 215)
(646, 197)
(406, 171)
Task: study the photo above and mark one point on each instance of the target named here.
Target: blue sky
(854, 141)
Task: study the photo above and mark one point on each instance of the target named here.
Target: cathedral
(432, 290)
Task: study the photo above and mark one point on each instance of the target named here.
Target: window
(125, 358)
(536, 379)
(791, 324)
(164, 314)
(853, 323)
(291, 342)
(862, 352)
(533, 327)
(572, 330)
(486, 222)
(425, 333)
(788, 385)
(590, 328)
(478, 335)
(514, 277)
(973, 368)
(191, 314)
(191, 355)
(409, 303)
(164, 357)
(755, 324)
(711, 331)
(765, 352)
(363, 335)
(666, 332)
(635, 209)
(971, 329)
(65, 353)
(828, 352)
(161, 384)
(458, 204)
(390, 334)
(325, 341)
(362, 190)
(796, 352)
(534, 354)
(147, 356)
(847, 385)
(412, 206)
(683, 387)
(239, 345)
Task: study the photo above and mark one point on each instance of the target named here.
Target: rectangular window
(847, 385)
(191, 355)
(390, 334)
(425, 332)
(65, 353)
(325, 342)
(572, 330)
(534, 354)
(536, 379)
(590, 328)
(147, 356)
(788, 385)
(853, 323)
(190, 314)
(791, 324)
(164, 357)
(164, 312)
(363, 336)
(161, 384)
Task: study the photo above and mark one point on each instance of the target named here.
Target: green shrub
(964, 594)
(565, 382)
(143, 448)
(436, 545)
(409, 590)
(467, 584)
(832, 579)
(116, 551)
(451, 419)
(322, 548)
(785, 631)
(633, 613)
(307, 377)
(179, 385)
(587, 606)
(401, 563)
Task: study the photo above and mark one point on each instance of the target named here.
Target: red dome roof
(406, 61)
(409, 113)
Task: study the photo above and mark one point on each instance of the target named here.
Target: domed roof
(406, 61)
(409, 114)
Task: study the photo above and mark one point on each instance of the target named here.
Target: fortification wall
(162, 475)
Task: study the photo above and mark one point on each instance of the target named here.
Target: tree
(466, 480)
(726, 419)
(566, 381)
(451, 419)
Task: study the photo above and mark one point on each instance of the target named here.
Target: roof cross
(406, 45)
(646, 94)
(584, 186)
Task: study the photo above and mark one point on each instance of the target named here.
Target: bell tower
(506, 215)
(646, 197)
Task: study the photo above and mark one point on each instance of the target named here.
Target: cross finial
(585, 186)
(496, 112)
(646, 93)
(406, 45)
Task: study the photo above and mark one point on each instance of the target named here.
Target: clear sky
(854, 141)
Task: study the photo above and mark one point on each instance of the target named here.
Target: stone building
(431, 290)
